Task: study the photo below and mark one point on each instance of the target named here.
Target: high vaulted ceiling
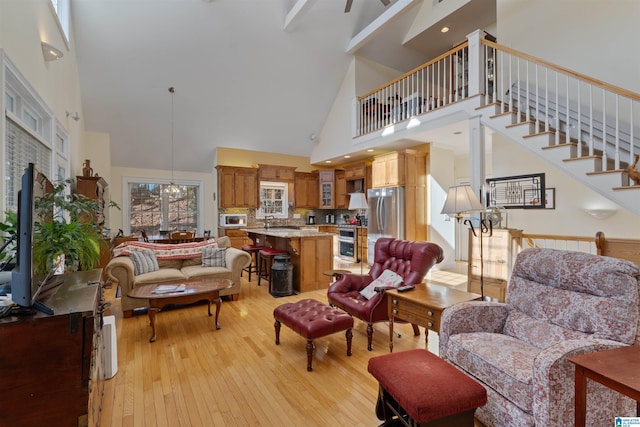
(249, 74)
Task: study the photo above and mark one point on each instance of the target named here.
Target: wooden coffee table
(195, 290)
(423, 306)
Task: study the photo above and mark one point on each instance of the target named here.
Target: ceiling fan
(347, 7)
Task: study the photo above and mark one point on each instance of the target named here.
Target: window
(31, 133)
(61, 11)
(10, 102)
(152, 209)
(21, 148)
(273, 200)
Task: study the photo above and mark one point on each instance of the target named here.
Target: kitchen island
(311, 253)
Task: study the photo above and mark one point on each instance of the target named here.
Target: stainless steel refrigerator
(385, 216)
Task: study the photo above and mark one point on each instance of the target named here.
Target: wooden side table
(424, 306)
(618, 369)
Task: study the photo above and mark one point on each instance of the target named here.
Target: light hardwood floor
(195, 375)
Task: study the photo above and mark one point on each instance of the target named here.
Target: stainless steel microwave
(233, 220)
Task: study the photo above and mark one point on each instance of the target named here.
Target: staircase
(601, 171)
(582, 126)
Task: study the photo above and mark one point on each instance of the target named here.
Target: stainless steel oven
(348, 243)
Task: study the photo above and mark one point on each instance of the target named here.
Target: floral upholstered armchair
(558, 304)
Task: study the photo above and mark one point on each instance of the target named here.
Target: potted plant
(66, 226)
(8, 228)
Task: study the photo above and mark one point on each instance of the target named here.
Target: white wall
(97, 149)
(442, 230)
(23, 25)
(335, 138)
(594, 37)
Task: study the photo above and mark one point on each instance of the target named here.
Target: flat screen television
(25, 286)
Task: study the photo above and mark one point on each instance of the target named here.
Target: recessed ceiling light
(347, 156)
(444, 29)
(370, 150)
(327, 161)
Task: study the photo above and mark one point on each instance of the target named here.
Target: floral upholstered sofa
(559, 304)
(172, 263)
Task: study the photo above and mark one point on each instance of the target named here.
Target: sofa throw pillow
(214, 257)
(144, 262)
(387, 279)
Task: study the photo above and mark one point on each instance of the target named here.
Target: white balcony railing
(602, 119)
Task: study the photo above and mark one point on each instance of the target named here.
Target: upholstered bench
(312, 319)
(427, 390)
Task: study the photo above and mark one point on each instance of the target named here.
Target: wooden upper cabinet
(246, 191)
(388, 170)
(276, 173)
(327, 189)
(306, 190)
(342, 198)
(237, 187)
(356, 171)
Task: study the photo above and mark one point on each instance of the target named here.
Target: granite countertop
(287, 233)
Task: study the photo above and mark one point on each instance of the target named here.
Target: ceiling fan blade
(347, 7)
(385, 2)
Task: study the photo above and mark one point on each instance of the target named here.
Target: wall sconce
(601, 213)
(75, 116)
(50, 53)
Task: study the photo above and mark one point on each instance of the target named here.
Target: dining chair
(182, 237)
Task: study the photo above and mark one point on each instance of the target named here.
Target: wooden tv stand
(52, 364)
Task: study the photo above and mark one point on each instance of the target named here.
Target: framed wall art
(550, 198)
(516, 192)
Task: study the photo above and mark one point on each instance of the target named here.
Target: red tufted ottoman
(312, 319)
(418, 385)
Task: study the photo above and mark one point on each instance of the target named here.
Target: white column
(476, 69)
(477, 157)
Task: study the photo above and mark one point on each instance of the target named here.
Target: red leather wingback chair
(411, 260)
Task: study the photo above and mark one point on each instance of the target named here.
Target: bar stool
(253, 253)
(265, 261)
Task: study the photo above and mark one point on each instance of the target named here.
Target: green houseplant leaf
(65, 225)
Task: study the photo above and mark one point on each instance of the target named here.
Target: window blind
(21, 149)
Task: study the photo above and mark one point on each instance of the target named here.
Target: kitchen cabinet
(311, 254)
(237, 187)
(327, 189)
(342, 197)
(388, 170)
(276, 173)
(306, 190)
(237, 237)
(498, 254)
(355, 171)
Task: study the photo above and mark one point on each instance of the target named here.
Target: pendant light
(172, 189)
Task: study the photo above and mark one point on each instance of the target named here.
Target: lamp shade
(49, 52)
(461, 199)
(357, 201)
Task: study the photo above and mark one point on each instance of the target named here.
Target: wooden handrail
(557, 237)
(528, 240)
(612, 88)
